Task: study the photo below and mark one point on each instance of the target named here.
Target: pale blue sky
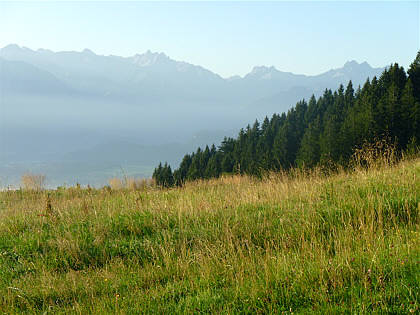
(226, 37)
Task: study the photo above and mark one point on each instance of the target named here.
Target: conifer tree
(414, 75)
(323, 130)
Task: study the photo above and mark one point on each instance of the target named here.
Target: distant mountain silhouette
(23, 78)
(62, 109)
(156, 78)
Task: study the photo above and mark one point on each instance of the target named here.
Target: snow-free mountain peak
(150, 58)
(258, 70)
(87, 51)
(353, 65)
(13, 49)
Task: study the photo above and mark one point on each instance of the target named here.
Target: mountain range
(59, 104)
(156, 78)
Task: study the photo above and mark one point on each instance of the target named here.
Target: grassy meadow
(289, 243)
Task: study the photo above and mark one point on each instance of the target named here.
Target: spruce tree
(324, 130)
(414, 75)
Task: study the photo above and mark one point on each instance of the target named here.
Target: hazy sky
(226, 37)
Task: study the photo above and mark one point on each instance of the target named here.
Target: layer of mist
(81, 117)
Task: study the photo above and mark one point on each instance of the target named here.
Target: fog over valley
(83, 117)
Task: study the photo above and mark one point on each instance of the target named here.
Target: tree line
(316, 132)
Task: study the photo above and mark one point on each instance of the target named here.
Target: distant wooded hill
(320, 131)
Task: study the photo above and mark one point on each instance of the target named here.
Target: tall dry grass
(298, 242)
(30, 181)
(130, 183)
(373, 154)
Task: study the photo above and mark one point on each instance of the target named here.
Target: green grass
(307, 243)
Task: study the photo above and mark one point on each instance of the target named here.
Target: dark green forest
(323, 131)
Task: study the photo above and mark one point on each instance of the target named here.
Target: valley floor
(290, 243)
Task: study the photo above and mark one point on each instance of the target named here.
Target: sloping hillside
(300, 243)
